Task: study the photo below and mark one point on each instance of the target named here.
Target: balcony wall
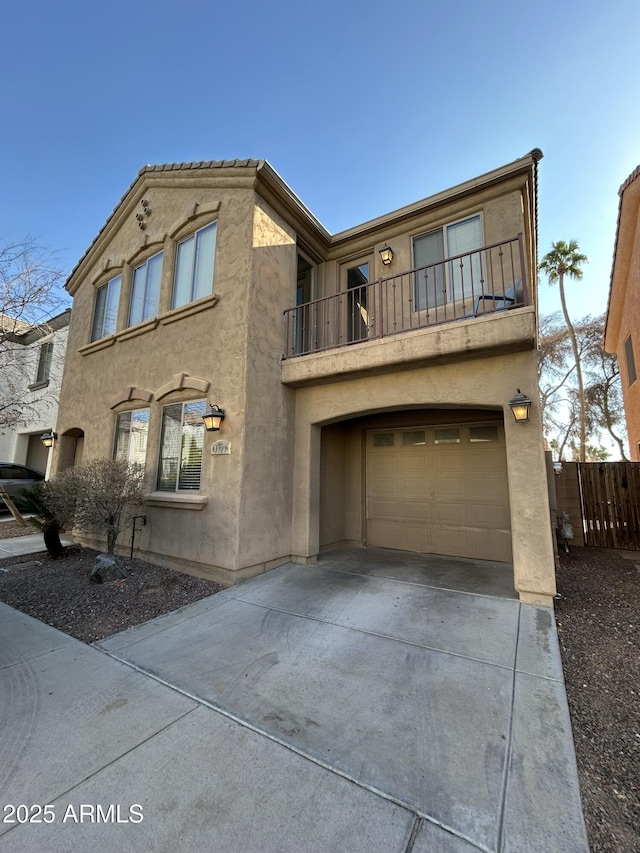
(468, 338)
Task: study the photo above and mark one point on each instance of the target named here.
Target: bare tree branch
(30, 294)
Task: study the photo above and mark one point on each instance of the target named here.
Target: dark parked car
(14, 478)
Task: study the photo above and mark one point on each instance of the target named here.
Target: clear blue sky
(362, 107)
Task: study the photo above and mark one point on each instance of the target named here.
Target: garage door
(440, 489)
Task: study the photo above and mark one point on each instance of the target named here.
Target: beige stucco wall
(209, 345)
(479, 384)
(623, 318)
(264, 532)
(501, 208)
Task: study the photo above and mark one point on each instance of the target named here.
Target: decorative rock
(107, 569)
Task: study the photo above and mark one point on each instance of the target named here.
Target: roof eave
(612, 319)
(526, 164)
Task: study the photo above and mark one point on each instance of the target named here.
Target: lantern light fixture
(48, 438)
(213, 417)
(520, 406)
(386, 254)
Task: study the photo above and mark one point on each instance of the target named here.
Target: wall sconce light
(48, 438)
(386, 253)
(520, 406)
(213, 418)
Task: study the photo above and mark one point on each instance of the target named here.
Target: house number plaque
(220, 448)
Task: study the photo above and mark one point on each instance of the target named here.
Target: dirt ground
(598, 616)
(597, 611)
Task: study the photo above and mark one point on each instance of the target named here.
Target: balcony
(470, 306)
(489, 280)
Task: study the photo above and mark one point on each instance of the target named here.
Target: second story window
(446, 282)
(145, 292)
(106, 309)
(44, 362)
(194, 266)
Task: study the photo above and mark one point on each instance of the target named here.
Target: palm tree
(566, 259)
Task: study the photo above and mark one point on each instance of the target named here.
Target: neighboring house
(366, 391)
(32, 363)
(622, 331)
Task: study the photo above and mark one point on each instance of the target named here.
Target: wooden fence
(610, 493)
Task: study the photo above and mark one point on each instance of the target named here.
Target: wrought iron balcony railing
(484, 281)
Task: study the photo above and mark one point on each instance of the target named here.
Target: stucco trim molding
(138, 329)
(181, 382)
(196, 211)
(175, 500)
(130, 394)
(94, 346)
(148, 247)
(189, 309)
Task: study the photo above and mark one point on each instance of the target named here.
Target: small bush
(97, 497)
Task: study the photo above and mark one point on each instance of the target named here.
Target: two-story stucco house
(30, 387)
(622, 331)
(365, 376)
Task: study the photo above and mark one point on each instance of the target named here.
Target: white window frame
(149, 309)
(193, 270)
(133, 448)
(448, 295)
(108, 326)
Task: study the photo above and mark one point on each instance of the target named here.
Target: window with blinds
(439, 282)
(105, 313)
(145, 292)
(132, 429)
(194, 266)
(181, 446)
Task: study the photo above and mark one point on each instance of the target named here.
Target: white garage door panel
(448, 498)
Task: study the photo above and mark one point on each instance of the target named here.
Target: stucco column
(533, 558)
(306, 492)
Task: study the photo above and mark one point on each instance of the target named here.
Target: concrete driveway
(375, 701)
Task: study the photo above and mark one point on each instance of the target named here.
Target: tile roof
(635, 174)
(202, 164)
(169, 167)
(623, 186)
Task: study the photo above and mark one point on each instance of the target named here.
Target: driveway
(374, 701)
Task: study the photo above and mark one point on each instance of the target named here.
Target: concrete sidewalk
(366, 703)
(18, 546)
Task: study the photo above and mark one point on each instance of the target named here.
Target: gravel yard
(59, 592)
(599, 630)
(597, 613)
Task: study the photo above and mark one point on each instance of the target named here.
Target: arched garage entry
(430, 480)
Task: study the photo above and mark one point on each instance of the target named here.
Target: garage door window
(483, 433)
(414, 437)
(448, 435)
(383, 439)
